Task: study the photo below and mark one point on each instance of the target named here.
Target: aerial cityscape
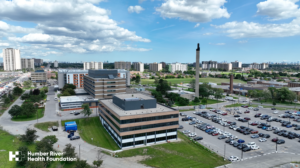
(149, 83)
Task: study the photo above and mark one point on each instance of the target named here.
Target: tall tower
(197, 71)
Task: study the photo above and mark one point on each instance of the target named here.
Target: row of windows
(110, 82)
(111, 90)
(116, 126)
(148, 133)
(148, 141)
(112, 135)
(148, 126)
(111, 86)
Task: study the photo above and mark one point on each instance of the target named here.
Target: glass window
(150, 140)
(148, 126)
(160, 139)
(140, 135)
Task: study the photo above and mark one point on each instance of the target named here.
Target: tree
(156, 81)
(71, 91)
(291, 96)
(29, 136)
(274, 103)
(36, 92)
(15, 111)
(98, 162)
(6, 101)
(71, 86)
(24, 151)
(25, 96)
(86, 110)
(30, 92)
(28, 109)
(69, 151)
(204, 101)
(35, 164)
(196, 100)
(42, 94)
(192, 84)
(137, 79)
(218, 93)
(27, 84)
(17, 91)
(17, 84)
(11, 97)
(51, 138)
(163, 86)
(81, 164)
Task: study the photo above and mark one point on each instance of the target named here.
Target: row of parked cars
(284, 123)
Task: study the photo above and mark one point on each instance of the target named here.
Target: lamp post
(224, 150)
(248, 124)
(242, 153)
(79, 151)
(276, 146)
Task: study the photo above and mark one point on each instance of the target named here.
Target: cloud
(141, 1)
(136, 9)
(193, 10)
(197, 25)
(4, 44)
(243, 41)
(216, 43)
(278, 9)
(163, 27)
(207, 34)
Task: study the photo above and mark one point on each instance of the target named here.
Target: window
(150, 140)
(149, 119)
(127, 144)
(111, 90)
(150, 133)
(111, 86)
(127, 137)
(140, 135)
(171, 130)
(161, 132)
(139, 142)
(171, 137)
(160, 139)
(142, 127)
(142, 106)
(110, 82)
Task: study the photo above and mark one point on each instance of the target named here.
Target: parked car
(233, 158)
(192, 134)
(180, 127)
(76, 113)
(186, 131)
(255, 136)
(275, 139)
(262, 140)
(280, 141)
(247, 111)
(222, 137)
(241, 141)
(74, 137)
(273, 108)
(275, 112)
(198, 138)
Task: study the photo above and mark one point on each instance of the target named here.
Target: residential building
(123, 65)
(39, 76)
(11, 59)
(55, 64)
(225, 66)
(38, 62)
(27, 63)
(1, 63)
(155, 67)
(74, 77)
(92, 65)
(138, 66)
(105, 83)
(236, 64)
(136, 120)
(178, 67)
(209, 64)
(259, 66)
(163, 64)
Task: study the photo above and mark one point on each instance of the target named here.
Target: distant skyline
(152, 30)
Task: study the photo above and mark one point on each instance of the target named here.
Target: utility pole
(224, 150)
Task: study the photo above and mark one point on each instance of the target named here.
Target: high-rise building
(209, 64)
(155, 67)
(259, 66)
(178, 67)
(55, 64)
(123, 65)
(38, 62)
(39, 76)
(11, 59)
(27, 63)
(236, 64)
(163, 64)
(92, 65)
(225, 66)
(138, 66)
(74, 77)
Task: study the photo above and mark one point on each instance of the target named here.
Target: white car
(262, 140)
(192, 134)
(275, 112)
(254, 147)
(233, 158)
(280, 115)
(251, 144)
(260, 107)
(250, 108)
(72, 112)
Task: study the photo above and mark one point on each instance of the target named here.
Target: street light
(276, 146)
(224, 150)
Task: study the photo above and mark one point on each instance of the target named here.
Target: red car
(247, 111)
(215, 134)
(246, 106)
(275, 139)
(224, 114)
(254, 132)
(247, 118)
(253, 124)
(228, 122)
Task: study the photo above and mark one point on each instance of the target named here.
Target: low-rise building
(184, 94)
(178, 67)
(39, 76)
(68, 103)
(209, 64)
(92, 65)
(136, 120)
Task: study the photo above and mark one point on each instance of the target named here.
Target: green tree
(69, 151)
(274, 103)
(28, 109)
(51, 138)
(25, 96)
(29, 136)
(291, 96)
(17, 84)
(6, 101)
(163, 86)
(137, 79)
(11, 97)
(81, 164)
(15, 111)
(17, 91)
(35, 164)
(70, 91)
(27, 84)
(196, 100)
(204, 101)
(86, 110)
(192, 84)
(156, 81)
(36, 92)
(24, 150)
(71, 86)
(98, 162)
(42, 94)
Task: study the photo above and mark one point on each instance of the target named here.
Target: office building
(209, 64)
(92, 65)
(27, 63)
(155, 67)
(178, 67)
(138, 66)
(74, 77)
(11, 59)
(136, 120)
(225, 66)
(261, 66)
(39, 76)
(105, 83)
(55, 64)
(236, 64)
(123, 65)
(38, 62)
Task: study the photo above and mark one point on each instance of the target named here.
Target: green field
(186, 110)
(187, 80)
(44, 126)
(92, 128)
(181, 154)
(40, 114)
(209, 101)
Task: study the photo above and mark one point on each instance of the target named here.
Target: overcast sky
(152, 30)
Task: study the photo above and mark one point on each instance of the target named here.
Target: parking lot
(221, 147)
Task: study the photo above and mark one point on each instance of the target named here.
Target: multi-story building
(27, 63)
(74, 77)
(259, 66)
(236, 64)
(92, 65)
(209, 64)
(105, 83)
(178, 67)
(55, 64)
(39, 76)
(123, 65)
(155, 67)
(38, 62)
(163, 64)
(11, 59)
(138, 66)
(225, 66)
(136, 120)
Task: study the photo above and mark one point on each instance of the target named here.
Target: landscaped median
(37, 115)
(44, 126)
(9, 100)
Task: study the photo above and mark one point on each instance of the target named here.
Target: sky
(152, 30)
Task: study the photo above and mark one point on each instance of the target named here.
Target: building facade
(155, 67)
(209, 64)
(261, 66)
(38, 62)
(178, 67)
(105, 83)
(123, 65)
(136, 120)
(27, 63)
(39, 76)
(225, 66)
(74, 77)
(236, 64)
(92, 65)
(55, 64)
(138, 66)
(163, 64)
(11, 59)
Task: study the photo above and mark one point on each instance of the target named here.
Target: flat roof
(69, 99)
(159, 108)
(137, 95)
(78, 91)
(294, 89)
(180, 92)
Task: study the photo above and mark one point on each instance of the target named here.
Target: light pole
(248, 124)
(224, 150)
(276, 146)
(79, 151)
(242, 153)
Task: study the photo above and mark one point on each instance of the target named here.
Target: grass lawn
(209, 101)
(278, 103)
(92, 128)
(44, 126)
(181, 154)
(29, 88)
(186, 110)
(239, 105)
(187, 80)
(29, 118)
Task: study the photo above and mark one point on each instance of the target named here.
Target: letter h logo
(17, 153)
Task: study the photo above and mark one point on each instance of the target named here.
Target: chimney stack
(197, 70)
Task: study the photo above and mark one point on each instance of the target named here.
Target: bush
(51, 138)
(196, 100)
